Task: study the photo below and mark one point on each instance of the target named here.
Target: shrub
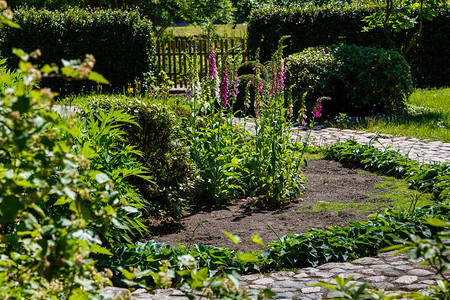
(157, 135)
(120, 41)
(250, 67)
(247, 72)
(359, 80)
(333, 23)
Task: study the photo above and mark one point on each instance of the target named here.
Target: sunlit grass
(428, 118)
(230, 31)
(392, 193)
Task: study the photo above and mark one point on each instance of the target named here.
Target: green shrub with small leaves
(359, 80)
(48, 254)
(121, 42)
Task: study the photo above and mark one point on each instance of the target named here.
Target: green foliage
(156, 133)
(111, 36)
(8, 78)
(45, 254)
(359, 80)
(215, 271)
(433, 250)
(338, 23)
(251, 67)
(359, 239)
(162, 13)
(99, 140)
(434, 178)
(401, 15)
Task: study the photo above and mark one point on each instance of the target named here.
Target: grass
(393, 193)
(81, 99)
(238, 30)
(428, 117)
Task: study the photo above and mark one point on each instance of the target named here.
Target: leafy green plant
(110, 36)
(338, 22)
(45, 255)
(99, 139)
(8, 78)
(156, 134)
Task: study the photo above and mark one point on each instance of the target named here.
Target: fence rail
(172, 56)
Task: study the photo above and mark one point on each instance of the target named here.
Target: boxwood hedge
(121, 41)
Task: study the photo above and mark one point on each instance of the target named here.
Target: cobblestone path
(394, 274)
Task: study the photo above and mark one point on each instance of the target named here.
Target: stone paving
(394, 274)
(420, 150)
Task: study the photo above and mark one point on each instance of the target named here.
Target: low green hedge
(159, 139)
(121, 41)
(337, 23)
(359, 80)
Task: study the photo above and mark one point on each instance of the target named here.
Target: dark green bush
(359, 80)
(158, 137)
(120, 41)
(330, 24)
(250, 67)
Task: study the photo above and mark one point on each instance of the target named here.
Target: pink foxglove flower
(212, 63)
(317, 112)
(224, 90)
(236, 84)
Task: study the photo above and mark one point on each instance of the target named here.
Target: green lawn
(238, 30)
(429, 117)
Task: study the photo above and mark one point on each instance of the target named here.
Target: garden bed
(329, 182)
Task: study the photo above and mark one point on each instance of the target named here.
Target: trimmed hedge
(359, 80)
(330, 24)
(122, 43)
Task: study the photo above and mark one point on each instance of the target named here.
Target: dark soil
(326, 180)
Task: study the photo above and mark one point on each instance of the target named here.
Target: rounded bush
(359, 80)
(250, 67)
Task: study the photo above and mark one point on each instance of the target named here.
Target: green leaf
(257, 239)
(247, 257)
(437, 222)
(69, 72)
(99, 249)
(128, 275)
(267, 293)
(234, 238)
(94, 76)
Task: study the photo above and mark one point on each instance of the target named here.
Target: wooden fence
(172, 56)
